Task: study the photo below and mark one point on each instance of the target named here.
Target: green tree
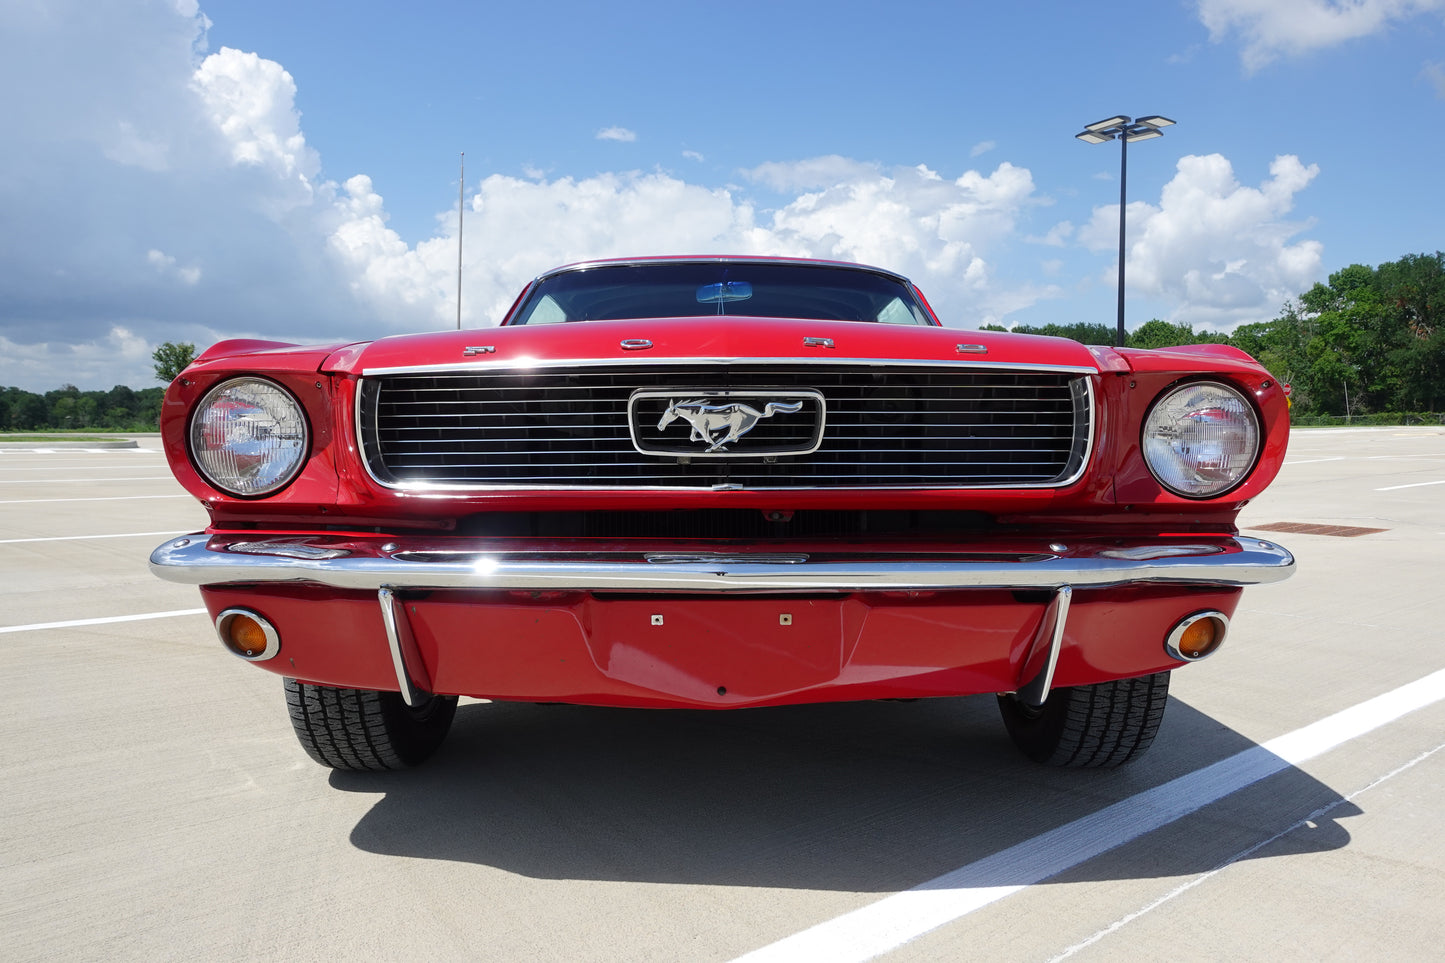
(148, 407)
(1412, 289)
(1279, 345)
(120, 397)
(63, 413)
(1415, 287)
(1369, 339)
(1352, 339)
(28, 411)
(171, 359)
(1161, 334)
(1083, 332)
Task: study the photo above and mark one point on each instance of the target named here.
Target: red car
(722, 482)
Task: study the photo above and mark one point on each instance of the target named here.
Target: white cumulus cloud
(1434, 74)
(166, 266)
(910, 219)
(518, 228)
(1269, 29)
(617, 133)
(1222, 252)
(1056, 236)
(406, 284)
(173, 196)
(116, 356)
(252, 102)
(157, 189)
(815, 172)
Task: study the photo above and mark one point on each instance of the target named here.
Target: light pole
(1126, 131)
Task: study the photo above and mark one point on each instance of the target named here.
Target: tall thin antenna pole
(1121, 335)
(461, 209)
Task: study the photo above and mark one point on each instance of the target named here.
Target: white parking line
(1395, 488)
(109, 498)
(1312, 461)
(1394, 431)
(895, 920)
(82, 538)
(39, 626)
(87, 481)
(82, 451)
(97, 466)
(1245, 853)
(1427, 454)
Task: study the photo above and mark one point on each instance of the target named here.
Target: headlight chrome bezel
(280, 440)
(1180, 418)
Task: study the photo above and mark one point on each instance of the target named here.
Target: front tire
(359, 729)
(1102, 725)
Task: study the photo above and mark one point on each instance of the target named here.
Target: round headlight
(248, 437)
(1201, 439)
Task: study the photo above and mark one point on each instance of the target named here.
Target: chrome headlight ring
(1201, 439)
(248, 437)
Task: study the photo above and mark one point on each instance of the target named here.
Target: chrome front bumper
(373, 563)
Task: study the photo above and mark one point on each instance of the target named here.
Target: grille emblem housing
(787, 422)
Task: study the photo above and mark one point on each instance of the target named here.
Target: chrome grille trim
(560, 428)
(492, 365)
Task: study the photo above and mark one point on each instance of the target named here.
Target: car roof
(717, 259)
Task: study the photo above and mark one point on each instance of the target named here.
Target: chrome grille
(894, 426)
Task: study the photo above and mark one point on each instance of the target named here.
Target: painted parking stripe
(1395, 488)
(109, 620)
(875, 929)
(82, 451)
(83, 538)
(87, 481)
(94, 466)
(1243, 854)
(108, 498)
(1424, 454)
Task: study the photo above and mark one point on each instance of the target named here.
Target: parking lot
(155, 803)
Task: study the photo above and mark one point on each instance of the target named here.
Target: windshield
(688, 289)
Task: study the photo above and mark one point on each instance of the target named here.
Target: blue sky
(247, 168)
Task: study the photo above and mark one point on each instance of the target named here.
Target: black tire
(359, 729)
(1102, 725)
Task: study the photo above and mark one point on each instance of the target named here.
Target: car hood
(655, 340)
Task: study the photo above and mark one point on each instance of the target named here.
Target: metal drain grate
(1305, 528)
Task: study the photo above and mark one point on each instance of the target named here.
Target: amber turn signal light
(1197, 636)
(248, 635)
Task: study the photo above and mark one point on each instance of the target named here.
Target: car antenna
(461, 208)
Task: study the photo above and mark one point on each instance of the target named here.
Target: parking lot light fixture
(1103, 125)
(1126, 131)
(1146, 134)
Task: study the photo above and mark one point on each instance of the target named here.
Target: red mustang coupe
(722, 482)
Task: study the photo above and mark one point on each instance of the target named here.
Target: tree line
(67, 408)
(1370, 341)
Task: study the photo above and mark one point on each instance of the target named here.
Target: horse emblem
(719, 425)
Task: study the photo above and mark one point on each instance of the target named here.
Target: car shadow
(862, 797)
